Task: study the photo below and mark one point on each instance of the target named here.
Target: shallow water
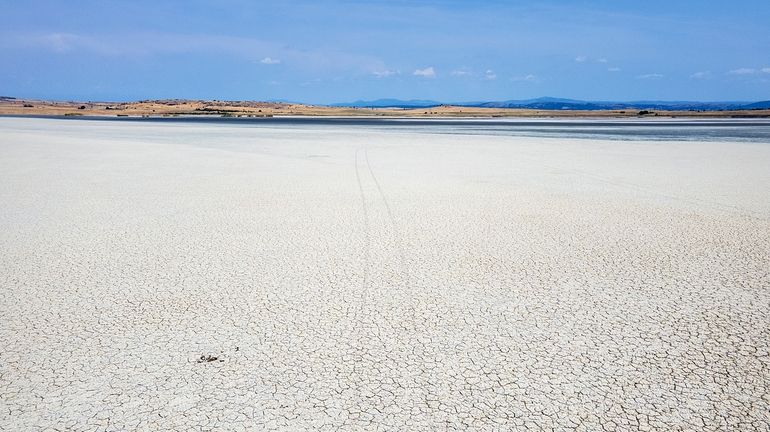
(741, 130)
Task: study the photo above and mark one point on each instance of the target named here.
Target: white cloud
(311, 82)
(269, 61)
(460, 72)
(602, 60)
(428, 72)
(749, 71)
(530, 78)
(384, 73)
(145, 44)
(743, 71)
(581, 59)
(701, 75)
(613, 69)
(60, 42)
(650, 76)
(490, 74)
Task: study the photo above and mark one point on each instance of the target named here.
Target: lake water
(742, 130)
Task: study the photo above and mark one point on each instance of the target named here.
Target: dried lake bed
(181, 275)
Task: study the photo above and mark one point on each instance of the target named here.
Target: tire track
(367, 233)
(394, 226)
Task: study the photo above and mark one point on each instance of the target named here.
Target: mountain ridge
(552, 103)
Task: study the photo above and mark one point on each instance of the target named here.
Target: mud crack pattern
(220, 277)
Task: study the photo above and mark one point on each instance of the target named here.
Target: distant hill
(550, 103)
(758, 105)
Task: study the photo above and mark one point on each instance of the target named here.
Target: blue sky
(337, 51)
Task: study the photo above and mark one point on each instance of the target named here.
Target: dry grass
(267, 109)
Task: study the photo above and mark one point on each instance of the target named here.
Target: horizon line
(359, 100)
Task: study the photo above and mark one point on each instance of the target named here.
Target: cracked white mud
(162, 276)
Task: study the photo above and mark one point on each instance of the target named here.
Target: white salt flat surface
(352, 279)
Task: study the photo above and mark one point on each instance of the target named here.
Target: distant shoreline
(659, 121)
(635, 129)
(219, 109)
